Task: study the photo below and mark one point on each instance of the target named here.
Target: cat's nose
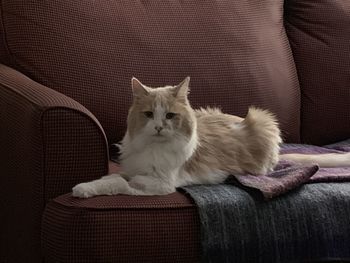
(158, 128)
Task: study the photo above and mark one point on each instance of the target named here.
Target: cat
(168, 145)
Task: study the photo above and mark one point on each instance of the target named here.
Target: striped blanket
(308, 218)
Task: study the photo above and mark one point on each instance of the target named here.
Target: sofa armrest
(48, 143)
(47, 136)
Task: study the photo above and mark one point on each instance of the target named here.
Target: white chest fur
(143, 157)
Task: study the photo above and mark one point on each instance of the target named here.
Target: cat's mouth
(159, 137)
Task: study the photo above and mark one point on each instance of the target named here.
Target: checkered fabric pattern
(121, 229)
(49, 143)
(84, 53)
(319, 34)
(236, 52)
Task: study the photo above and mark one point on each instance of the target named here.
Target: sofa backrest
(236, 52)
(319, 34)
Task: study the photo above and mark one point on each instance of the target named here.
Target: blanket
(289, 175)
(309, 222)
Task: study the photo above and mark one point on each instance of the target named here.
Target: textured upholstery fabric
(309, 224)
(48, 143)
(121, 229)
(319, 33)
(236, 52)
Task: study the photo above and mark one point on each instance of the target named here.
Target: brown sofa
(65, 78)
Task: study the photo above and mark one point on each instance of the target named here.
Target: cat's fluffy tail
(262, 123)
(262, 138)
(323, 160)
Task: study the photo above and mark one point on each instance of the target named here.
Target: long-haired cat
(168, 144)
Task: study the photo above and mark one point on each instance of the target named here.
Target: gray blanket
(312, 222)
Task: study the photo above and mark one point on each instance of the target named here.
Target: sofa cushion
(236, 52)
(121, 229)
(319, 33)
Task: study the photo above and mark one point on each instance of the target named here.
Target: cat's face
(160, 114)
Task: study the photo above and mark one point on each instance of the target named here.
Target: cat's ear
(138, 89)
(181, 91)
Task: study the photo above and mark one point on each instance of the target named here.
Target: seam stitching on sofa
(6, 45)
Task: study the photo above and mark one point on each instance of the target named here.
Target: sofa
(65, 76)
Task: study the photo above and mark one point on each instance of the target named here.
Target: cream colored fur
(168, 144)
(323, 160)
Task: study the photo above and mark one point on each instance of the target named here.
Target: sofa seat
(121, 229)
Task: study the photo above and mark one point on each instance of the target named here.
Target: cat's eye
(148, 114)
(170, 115)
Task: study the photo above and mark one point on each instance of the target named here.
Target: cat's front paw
(84, 190)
